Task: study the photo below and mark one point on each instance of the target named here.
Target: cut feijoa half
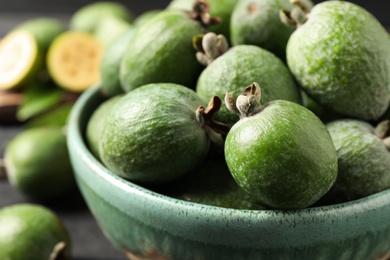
(73, 60)
(20, 59)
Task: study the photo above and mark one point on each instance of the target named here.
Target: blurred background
(15, 10)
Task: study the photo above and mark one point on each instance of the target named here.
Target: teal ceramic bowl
(144, 224)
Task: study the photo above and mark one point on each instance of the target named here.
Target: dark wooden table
(88, 241)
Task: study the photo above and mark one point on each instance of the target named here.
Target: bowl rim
(333, 223)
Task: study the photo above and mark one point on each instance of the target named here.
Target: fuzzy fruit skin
(87, 18)
(152, 134)
(363, 160)
(340, 56)
(283, 156)
(240, 66)
(218, 8)
(161, 51)
(44, 30)
(30, 232)
(110, 64)
(257, 22)
(38, 164)
(96, 124)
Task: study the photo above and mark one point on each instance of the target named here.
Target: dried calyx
(247, 104)
(201, 13)
(209, 47)
(216, 131)
(298, 15)
(382, 131)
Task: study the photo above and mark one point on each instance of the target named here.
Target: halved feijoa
(73, 60)
(20, 59)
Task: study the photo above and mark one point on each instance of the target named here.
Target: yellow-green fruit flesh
(73, 60)
(30, 232)
(20, 58)
(341, 57)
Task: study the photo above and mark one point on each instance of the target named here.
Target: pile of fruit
(286, 116)
(250, 104)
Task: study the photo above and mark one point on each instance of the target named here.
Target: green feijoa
(110, 28)
(37, 163)
(87, 18)
(340, 56)
(145, 16)
(218, 8)
(279, 152)
(363, 158)
(32, 232)
(257, 22)
(161, 51)
(154, 134)
(326, 115)
(110, 64)
(241, 65)
(43, 29)
(212, 184)
(96, 123)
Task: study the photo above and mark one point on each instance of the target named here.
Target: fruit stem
(209, 47)
(58, 252)
(3, 170)
(216, 131)
(381, 131)
(298, 15)
(201, 13)
(247, 104)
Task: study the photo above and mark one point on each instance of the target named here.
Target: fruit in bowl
(141, 222)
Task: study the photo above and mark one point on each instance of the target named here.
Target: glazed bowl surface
(144, 224)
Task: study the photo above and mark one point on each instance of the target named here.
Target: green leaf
(37, 99)
(56, 117)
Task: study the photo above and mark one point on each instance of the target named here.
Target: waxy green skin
(44, 30)
(161, 51)
(152, 134)
(363, 160)
(257, 22)
(218, 8)
(96, 123)
(30, 232)
(283, 156)
(87, 18)
(341, 57)
(38, 164)
(240, 66)
(110, 64)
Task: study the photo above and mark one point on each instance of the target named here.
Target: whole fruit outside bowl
(142, 223)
